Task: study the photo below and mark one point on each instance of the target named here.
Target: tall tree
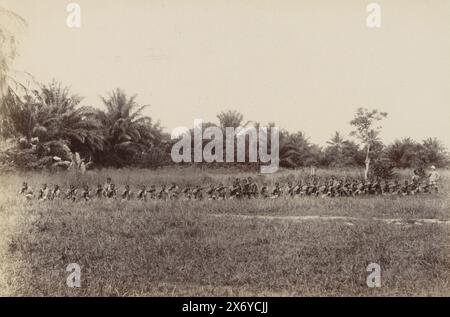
(127, 130)
(337, 141)
(403, 153)
(53, 113)
(367, 131)
(335, 148)
(296, 150)
(432, 151)
(231, 119)
(341, 152)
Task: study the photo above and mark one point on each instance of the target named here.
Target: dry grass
(181, 248)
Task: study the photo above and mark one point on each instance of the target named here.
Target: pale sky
(303, 64)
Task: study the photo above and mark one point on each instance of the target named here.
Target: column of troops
(239, 189)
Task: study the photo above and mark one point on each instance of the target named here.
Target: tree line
(49, 128)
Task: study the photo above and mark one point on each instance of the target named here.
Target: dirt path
(349, 220)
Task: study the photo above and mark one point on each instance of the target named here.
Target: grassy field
(207, 248)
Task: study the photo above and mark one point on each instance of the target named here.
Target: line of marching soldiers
(241, 188)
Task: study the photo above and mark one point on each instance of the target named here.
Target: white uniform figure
(434, 178)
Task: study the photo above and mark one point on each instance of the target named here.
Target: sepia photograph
(224, 149)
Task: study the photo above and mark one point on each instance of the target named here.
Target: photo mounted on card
(221, 148)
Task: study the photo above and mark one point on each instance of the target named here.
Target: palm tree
(49, 122)
(231, 119)
(54, 114)
(289, 155)
(432, 151)
(337, 141)
(335, 148)
(126, 129)
(296, 150)
(403, 153)
(351, 154)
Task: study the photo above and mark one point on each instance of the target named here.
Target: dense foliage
(49, 127)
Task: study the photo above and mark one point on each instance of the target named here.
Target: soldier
(56, 193)
(221, 192)
(253, 187)
(405, 190)
(336, 188)
(127, 194)
(142, 193)
(211, 192)
(367, 187)
(86, 193)
(422, 188)
(264, 192)
(187, 192)
(323, 190)
(99, 193)
(162, 194)
(112, 191)
(198, 192)
(345, 189)
(308, 188)
(332, 183)
(376, 187)
(360, 188)
(414, 187)
(290, 189)
(26, 191)
(415, 178)
(330, 188)
(303, 188)
(43, 192)
(152, 191)
(246, 191)
(277, 191)
(314, 188)
(236, 189)
(107, 186)
(433, 179)
(298, 187)
(354, 186)
(420, 171)
(173, 191)
(395, 188)
(24, 188)
(72, 193)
